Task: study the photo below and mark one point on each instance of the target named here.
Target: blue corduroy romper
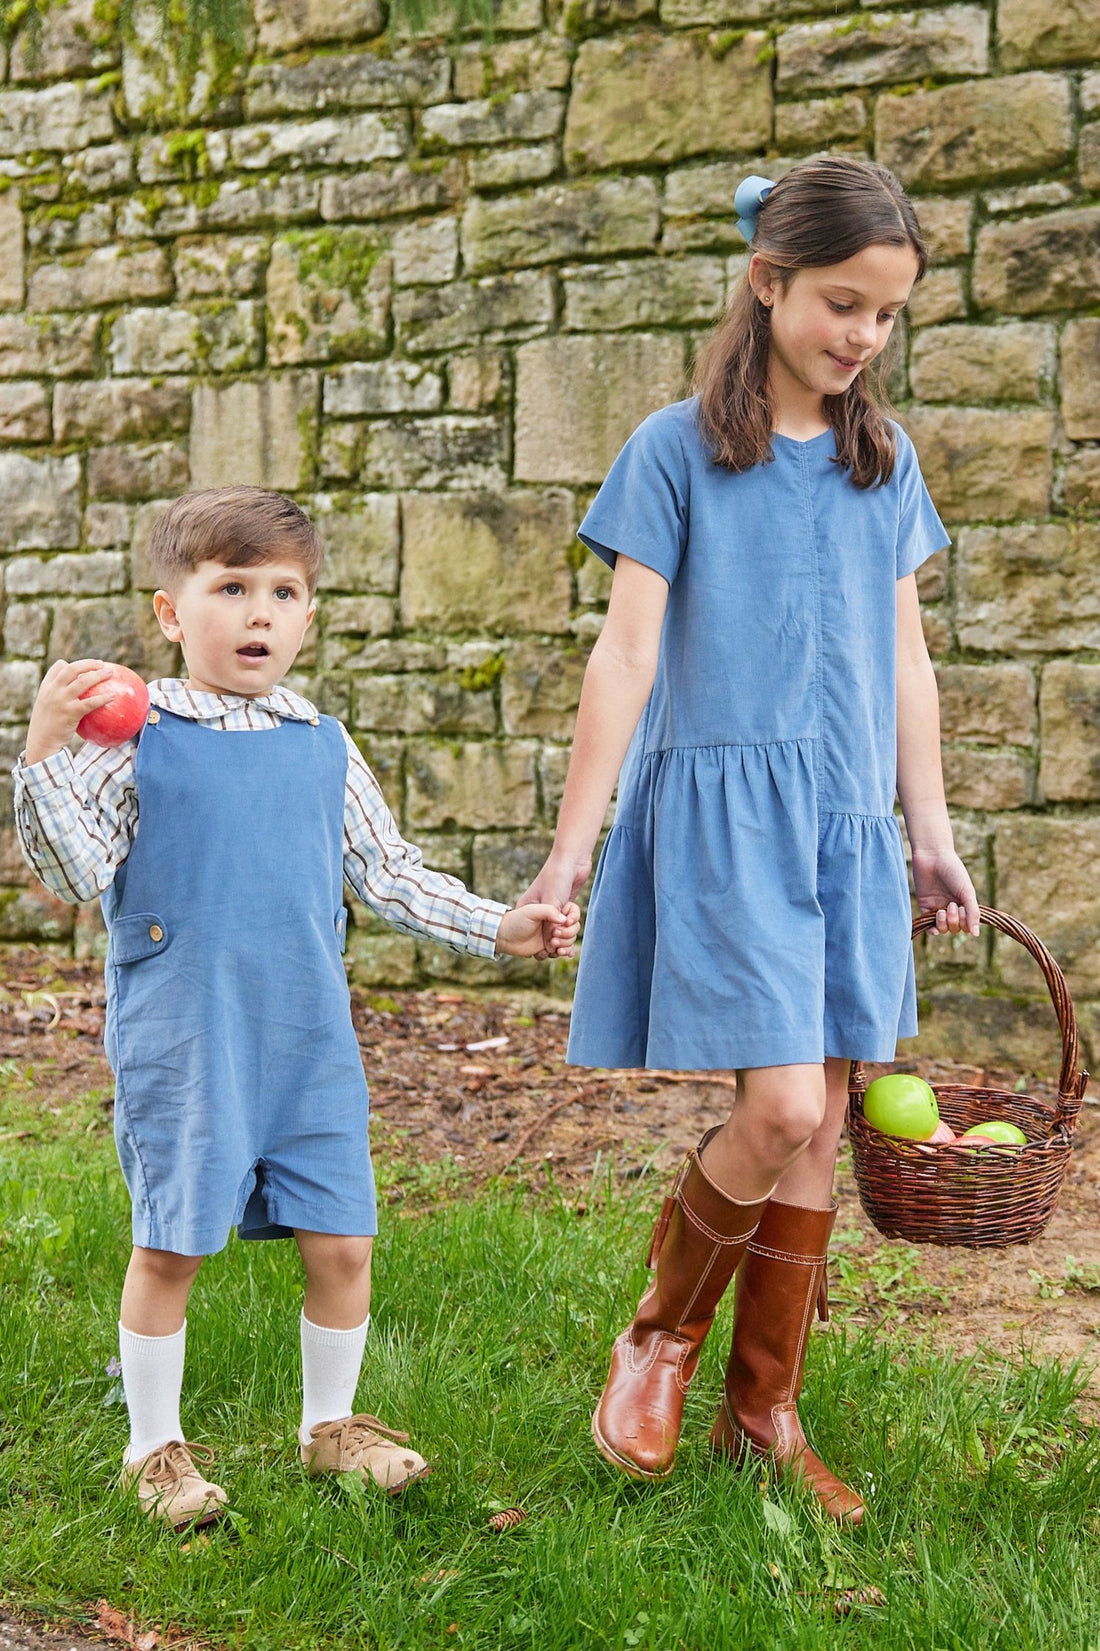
(240, 1093)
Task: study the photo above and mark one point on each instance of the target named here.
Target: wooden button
(156, 932)
(154, 716)
(314, 722)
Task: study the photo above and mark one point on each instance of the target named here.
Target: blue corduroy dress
(751, 904)
(240, 1093)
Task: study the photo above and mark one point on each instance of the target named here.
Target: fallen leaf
(486, 1043)
(851, 1597)
(123, 1630)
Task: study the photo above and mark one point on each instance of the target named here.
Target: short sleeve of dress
(641, 509)
(920, 531)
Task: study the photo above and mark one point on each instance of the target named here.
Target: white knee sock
(152, 1376)
(331, 1360)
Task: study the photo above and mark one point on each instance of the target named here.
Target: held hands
(59, 705)
(943, 886)
(558, 881)
(539, 930)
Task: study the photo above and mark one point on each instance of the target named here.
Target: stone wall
(430, 285)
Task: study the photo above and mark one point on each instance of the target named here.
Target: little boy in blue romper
(240, 1095)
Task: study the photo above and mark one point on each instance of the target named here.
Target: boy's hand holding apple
(74, 696)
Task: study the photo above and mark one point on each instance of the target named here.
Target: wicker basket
(985, 1198)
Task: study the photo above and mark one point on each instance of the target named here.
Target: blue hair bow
(750, 196)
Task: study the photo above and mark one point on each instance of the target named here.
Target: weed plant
(493, 1320)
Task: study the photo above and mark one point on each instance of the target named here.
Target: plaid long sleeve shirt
(77, 816)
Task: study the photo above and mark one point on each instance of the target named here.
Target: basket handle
(1071, 1080)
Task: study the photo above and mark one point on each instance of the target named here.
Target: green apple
(902, 1104)
(999, 1130)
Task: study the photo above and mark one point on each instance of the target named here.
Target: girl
(764, 672)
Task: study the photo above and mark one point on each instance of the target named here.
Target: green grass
(493, 1320)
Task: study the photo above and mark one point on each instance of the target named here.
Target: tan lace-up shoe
(361, 1444)
(170, 1487)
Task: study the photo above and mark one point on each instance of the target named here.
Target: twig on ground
(532, 1130)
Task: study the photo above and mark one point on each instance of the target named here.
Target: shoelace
(175, 1461)
(349, 1431)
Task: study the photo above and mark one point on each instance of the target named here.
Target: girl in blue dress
(761, 690)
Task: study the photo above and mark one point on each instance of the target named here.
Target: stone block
(1039, 264)
(650, 292)
(239, 204)
(1029, 589)
(257, 431)
(369, 388)
(1069, 712)
(39, 503)
(991, 703)
(19, 679)
(328, 296)
(11, 251)
(332, 140)
(474, 784)
(26, 627)
(932, 577)
(220, 266)
(86, 573)
(382, 961)
(411, 704)
(976, 130)
(984, 464)
(390, 191)
(1048, 875)
(283, 25)
(522, 117)
(1009, 362)
(88, 226)
(541, 687)
(126, 472)
(355, 80)
(108, 275)
(505, 866)
(494, 563)
(1006, 1034)
(946, 224)
(359, 616)
(1031, 33)
(122, 628)
(511, 66)
(225, 337)
(24, 412)
(645, 99)
(106, 525)
(159, 89)
(477, 380)
(815, 123)
(107, 167)
(579, 398)
(1080, 357)
(69, 40)
(35, 914)
(1026, 197)
(875, 48)
(362, 540)
(581, 220)
(424, 254)
(131, 409)
(1082, 478)
(53, 345)
(69, 116)
(989, 780)
(469, 313)
(341, 451)
(506, 168)
(455, 450)
(593, 579)
(705, 190)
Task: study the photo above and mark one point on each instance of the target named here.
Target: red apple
(975, 1138)
(942, 1135)
(122, 717)
(902, 1104)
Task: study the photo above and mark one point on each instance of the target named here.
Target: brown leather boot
(781, 1278)
(699, 1238)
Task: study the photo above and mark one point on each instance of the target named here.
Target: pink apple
(942, 1135)
(122, 717)
(999, 1130)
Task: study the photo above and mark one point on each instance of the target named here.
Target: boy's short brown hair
(236, 526)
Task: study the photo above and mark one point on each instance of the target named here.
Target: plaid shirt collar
(172, 694)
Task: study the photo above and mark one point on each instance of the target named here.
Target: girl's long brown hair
(822, 212)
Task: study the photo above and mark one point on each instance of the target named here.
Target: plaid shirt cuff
(39, 779)
(481, 937)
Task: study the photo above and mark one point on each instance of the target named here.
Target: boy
(240, 1094)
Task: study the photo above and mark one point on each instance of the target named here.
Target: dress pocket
(142, 934)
